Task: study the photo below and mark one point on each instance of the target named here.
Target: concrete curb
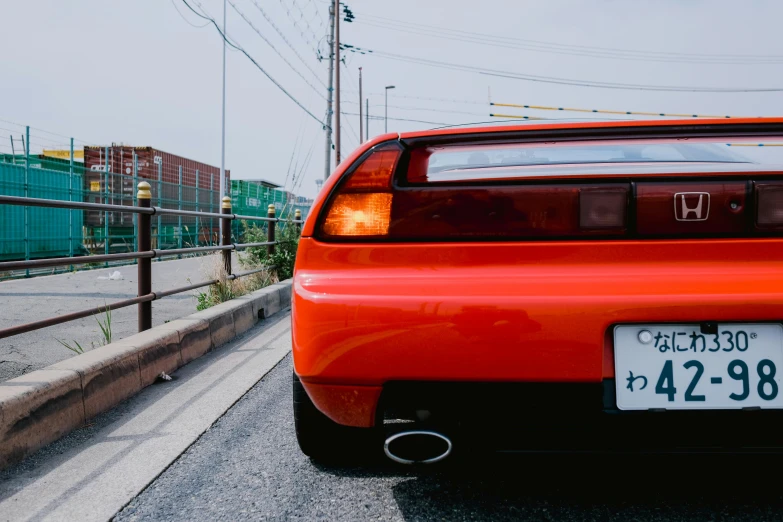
(42, 406)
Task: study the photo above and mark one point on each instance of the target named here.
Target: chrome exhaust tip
(417, 447)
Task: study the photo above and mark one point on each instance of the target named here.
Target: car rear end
(550, 287)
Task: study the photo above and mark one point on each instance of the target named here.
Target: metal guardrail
(144, 255)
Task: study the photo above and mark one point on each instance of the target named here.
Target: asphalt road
(247, 466)
(27, 300)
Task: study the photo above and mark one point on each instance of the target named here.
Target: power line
(274, 26)
(515, 117)
(602, 111)
(186, 20)
(310, 41)
(238, 48)
(247, 20)
(397, 119)
(429, 98)
(566, 49)
(426, 109)
(562, 81)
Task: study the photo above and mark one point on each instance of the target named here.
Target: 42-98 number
(737, 369)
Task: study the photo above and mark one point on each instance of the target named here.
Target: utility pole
(223, 131)
(329, 95)
(361, 133)
(337, 82)
(366, 117)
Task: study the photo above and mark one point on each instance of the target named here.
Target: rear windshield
(479, 161)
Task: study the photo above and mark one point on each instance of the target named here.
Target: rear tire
(322, 439)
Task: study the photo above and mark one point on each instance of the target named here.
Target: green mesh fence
(36, 232)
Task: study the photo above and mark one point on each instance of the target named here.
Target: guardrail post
(225, 208)
(270, 229)
(298, 217)
(143, 233)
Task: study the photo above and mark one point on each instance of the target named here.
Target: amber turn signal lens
(364, 214)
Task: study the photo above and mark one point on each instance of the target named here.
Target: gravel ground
(27, 300)
(248, 466)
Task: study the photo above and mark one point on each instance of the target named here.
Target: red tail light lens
(603, 208)
(362, 205)
(769, 205)
(375, 172)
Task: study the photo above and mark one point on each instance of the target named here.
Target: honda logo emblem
(692, 206)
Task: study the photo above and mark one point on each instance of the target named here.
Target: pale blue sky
(136, 72)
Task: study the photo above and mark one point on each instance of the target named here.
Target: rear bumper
(366, 315)
(540, 417)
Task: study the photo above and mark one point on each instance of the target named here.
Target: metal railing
(144, 211)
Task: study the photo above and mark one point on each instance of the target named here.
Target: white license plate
(676, 367)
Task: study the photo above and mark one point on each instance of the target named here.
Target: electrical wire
(564, 81)
(602, 111)
(310, 41)
(274, 26)
(173, 2)
(42, 130)
(247, 20)
(426, 109)
(396, 119)
(566, 49)
(429, 98)
(299, 133)
(277, 84)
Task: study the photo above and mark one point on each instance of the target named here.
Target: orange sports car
(567, 286)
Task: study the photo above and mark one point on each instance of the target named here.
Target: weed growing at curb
(104, 325)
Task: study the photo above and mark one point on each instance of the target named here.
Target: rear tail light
(361, 207)
(366, 205)
(769, 205)
(359, 215)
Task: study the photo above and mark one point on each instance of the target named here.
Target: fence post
(211, 206)
(197, 202)
(106, 200)
(70, 212)
(27, 238)
(225, 208)
(135, 216)
(144, 275)
(158, 242)
(270, 229)
(298, 217)
(179, 207)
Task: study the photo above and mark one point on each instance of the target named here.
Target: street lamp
(386, 109)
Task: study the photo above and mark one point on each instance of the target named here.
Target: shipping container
(51, 232)
(176, 182)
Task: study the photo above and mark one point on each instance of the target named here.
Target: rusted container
(162, 170)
